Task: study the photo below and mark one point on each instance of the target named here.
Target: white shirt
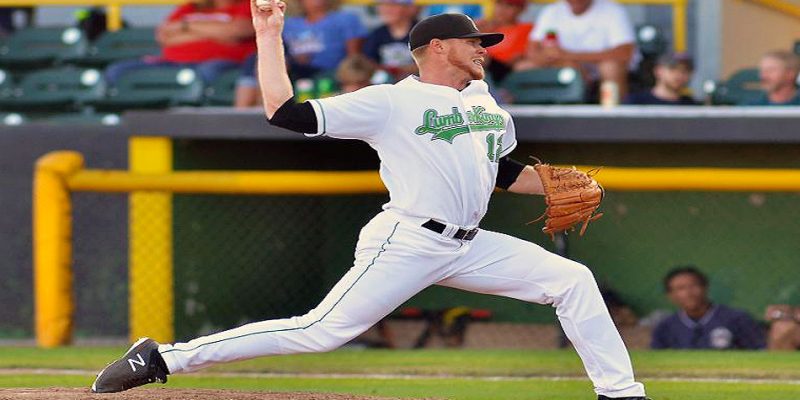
(603, 26)
(438, 146)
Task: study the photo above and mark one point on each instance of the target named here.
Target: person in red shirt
(210, 36)
(505, 20)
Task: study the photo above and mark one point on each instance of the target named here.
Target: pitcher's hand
(268, 21)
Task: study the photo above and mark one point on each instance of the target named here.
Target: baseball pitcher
(444, 146)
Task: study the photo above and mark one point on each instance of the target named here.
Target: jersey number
(495, 145)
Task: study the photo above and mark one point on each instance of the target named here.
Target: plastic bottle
(325, 87)
(304, 89)
(609, 94)
(550, 39)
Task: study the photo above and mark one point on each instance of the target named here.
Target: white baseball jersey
(438, 146)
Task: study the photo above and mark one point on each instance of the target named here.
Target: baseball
(264, 5)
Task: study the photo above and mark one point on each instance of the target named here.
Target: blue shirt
(474, 11)
(721, 328)
(386, 50)
(324, 40)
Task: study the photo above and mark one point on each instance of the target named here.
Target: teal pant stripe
(380, 251)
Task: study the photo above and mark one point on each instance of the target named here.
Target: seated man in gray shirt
(778, 71)
(700, 324)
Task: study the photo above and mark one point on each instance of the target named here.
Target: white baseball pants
(396, 258)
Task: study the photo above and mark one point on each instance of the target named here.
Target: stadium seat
(222, 91)
(118, 45)
(6, 83)
(546, 86)
(742, 88)
(12, 119)
(81, 118)
(153, 88)
(650, 40)
(53, 90)
(33, 48)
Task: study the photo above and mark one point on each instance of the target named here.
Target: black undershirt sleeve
(508, 171)
(295, 117)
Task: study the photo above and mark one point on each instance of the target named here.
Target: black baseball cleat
(141, 364)
(601, 397)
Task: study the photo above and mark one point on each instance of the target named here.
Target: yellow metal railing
(58, 174)
(781, 6)
(114, 9)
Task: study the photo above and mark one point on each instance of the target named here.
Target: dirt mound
(169, 394)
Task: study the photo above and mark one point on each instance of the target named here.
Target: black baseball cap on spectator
(674, 59)
(449, 26)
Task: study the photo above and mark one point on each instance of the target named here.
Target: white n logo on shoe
(132, 361)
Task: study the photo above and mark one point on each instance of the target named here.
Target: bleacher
(56, 74)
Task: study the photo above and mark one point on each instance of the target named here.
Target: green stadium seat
(546, 86)
(33, 48)
(12, 119)
(118, 45)
(81, 118)
(651, 41)
(53, 90)
(6, 83)
(222, 91)
(742, 88)
(153, 88)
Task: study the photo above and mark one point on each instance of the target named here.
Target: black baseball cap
(449, 26)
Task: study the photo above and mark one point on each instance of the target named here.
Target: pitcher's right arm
(273, 78)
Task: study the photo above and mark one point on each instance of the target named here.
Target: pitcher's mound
(169, 394)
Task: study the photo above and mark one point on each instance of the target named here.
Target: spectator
(784, 331)
(210, 36)
(778, 71)
(673, 73)
(593, 36)
(247, 91)
(355, 72)
(505, 20)
(7, 17)
(387, 45)
(318, 40)
(699, 324)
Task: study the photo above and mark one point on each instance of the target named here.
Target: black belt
(461, 234)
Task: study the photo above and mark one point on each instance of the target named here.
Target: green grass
(658, 370)
(526, 363)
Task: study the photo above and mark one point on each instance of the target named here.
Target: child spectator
(318, 40)
(387, 45)
(355, 72)
(211, 36)
(505, 20)
(778, 72)
(593, 36)
(700, 324)
(672, 73)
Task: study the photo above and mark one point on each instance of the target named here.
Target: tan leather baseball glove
(572, 197)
